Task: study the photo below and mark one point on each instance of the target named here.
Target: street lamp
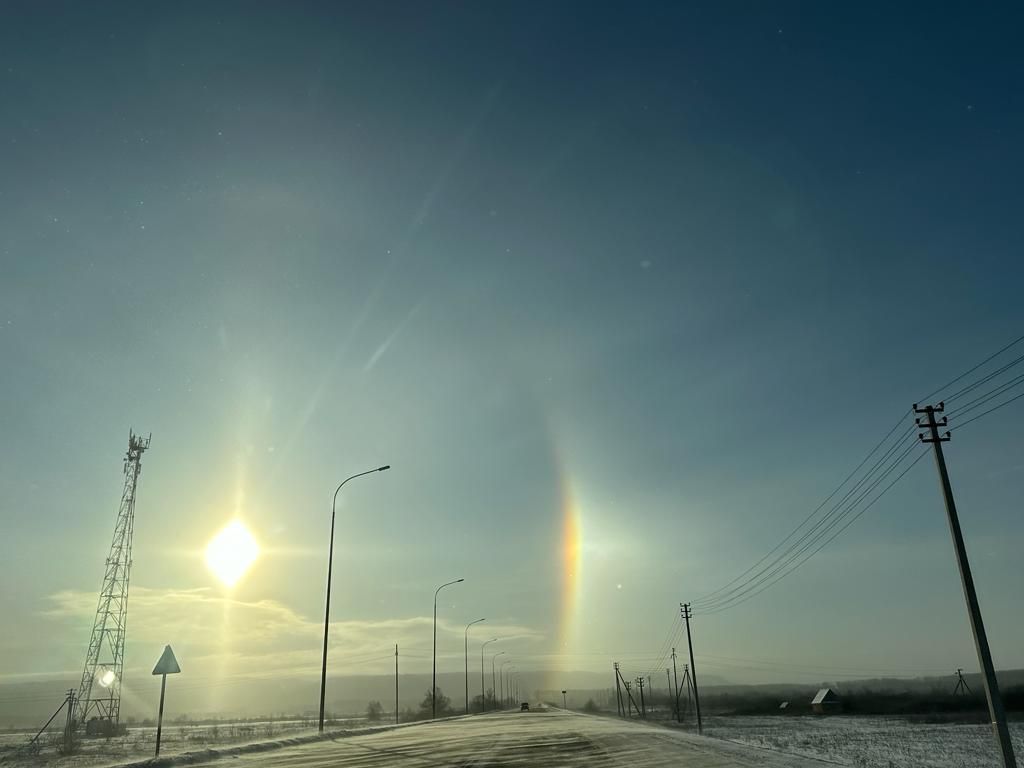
(501, 679)
(466, 639)
(433, 680)
(493, 687)
(483, 694)
(327, 609)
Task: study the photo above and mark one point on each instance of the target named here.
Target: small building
(826, 701)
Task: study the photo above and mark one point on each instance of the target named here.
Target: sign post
(168, 665)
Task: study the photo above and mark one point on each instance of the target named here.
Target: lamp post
(501, 679)
(483, 693)
(327, 609)
(493, 687)
(433, 679)
(466, 639)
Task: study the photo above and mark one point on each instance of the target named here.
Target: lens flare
(107, 677)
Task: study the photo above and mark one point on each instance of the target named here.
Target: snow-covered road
(548, 738)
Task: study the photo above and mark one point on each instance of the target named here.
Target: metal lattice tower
(99, 694)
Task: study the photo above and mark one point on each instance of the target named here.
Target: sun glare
(107, 678)
(231, 552)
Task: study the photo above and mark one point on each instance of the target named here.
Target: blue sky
(689, 261)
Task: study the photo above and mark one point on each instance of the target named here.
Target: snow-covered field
(554, 738)
(870, 741)
(140, 741)
(538, 738)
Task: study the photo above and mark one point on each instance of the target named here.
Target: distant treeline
(938, 704)
(864, 701)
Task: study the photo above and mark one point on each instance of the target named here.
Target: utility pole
(630, 701)
(689, 687)
(69, 725)
(995, 701)
(396, 683)
(643, 706)
(68, 702)
(687, 613)
(618, 691)
(668, 684)
(675, 677)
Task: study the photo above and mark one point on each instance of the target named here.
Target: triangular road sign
(168, 665)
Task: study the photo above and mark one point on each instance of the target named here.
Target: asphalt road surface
(539, 738)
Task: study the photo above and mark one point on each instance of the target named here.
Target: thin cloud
(221, 635)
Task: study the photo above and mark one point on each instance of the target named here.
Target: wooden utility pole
(69, 701)
(668, 685)
(618, 691)
(685, 610)
(689, 687)
(988, 671)
(69, 725)
(675, 686)
(396, 684)
(630, 701)
(643, 706)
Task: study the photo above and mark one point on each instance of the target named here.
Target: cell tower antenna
(98, 705)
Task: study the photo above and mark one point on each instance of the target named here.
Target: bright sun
(230, 553)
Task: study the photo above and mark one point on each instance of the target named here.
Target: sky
(620, 292)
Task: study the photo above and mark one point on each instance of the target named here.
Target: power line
(823, 531)
(813, 533)
(756, 578)
(829, 540)
(788, 567)
(813, 512)
(986, 413)
(783, 566)
(959, 393)
(663, 649)
(969, 371)
(982, 399)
